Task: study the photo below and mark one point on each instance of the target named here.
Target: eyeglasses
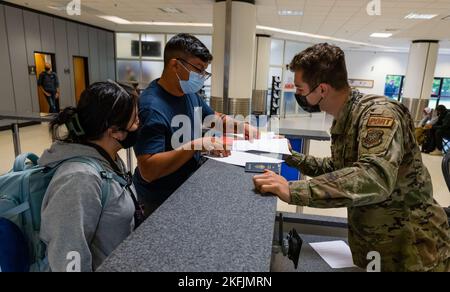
(205, 74)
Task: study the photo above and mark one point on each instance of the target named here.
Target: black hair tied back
(101, 106)
(69, 118)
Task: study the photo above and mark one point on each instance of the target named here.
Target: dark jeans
(439, 136)
(52, 102)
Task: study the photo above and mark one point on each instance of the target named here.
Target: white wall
(443, 66)
(375, 66)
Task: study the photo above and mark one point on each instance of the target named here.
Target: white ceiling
(344, 19)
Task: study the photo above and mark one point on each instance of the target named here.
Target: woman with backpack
(90, 206)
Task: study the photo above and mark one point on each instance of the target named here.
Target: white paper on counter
(241, 158)
(279, 146)
(336, 254)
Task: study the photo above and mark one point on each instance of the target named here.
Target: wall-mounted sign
(32, 70)
(361, 83)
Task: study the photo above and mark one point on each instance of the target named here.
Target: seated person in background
(162, 166)
(437, 132)
(426, 120)
(73, 217)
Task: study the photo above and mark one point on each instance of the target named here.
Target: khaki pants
(420, 135)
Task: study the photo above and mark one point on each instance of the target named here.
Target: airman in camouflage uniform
(375, 170)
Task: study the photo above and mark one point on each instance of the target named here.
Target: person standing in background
(49, 84)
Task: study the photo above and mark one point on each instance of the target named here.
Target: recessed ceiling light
(171, 10)
(420, 16)
(61, 8)
(290, 13)
(115, 19)
(119, 20)
(381, 35)
(158, 23)
(316, 36)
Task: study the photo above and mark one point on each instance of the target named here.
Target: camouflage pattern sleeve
(370, 180)
(309, 165)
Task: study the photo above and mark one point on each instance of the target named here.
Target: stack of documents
(267, 145)
(279, 146)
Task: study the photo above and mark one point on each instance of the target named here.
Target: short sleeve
(152, 135)
(206, 109)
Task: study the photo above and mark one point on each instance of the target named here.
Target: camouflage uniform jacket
(376, 171)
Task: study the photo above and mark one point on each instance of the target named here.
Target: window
(151, 71)
(276, 52)
(127, 45)
(440, 93)
(393, 87)
(293, 49)
(140, 57)
(436, 87)
(445, 91)
(152, 46)
(129, 71)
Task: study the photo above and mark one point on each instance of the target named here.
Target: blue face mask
(194, 84)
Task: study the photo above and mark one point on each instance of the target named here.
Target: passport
(259, 167)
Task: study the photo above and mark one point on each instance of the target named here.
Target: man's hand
(215, 146)
(270, 182)
(251, 133)
(57, 95)
(428, 126)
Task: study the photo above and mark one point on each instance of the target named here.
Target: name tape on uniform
(381, 122)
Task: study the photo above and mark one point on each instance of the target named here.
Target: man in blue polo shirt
(162, 167)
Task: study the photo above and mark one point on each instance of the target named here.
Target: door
(40, 60)
(81, 75)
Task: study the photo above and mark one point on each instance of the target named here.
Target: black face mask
(130, 140)
(305, 105)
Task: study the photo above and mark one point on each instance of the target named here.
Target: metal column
(16, 139)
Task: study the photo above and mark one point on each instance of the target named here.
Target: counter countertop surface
(214, 222)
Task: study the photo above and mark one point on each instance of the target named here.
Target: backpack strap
(105, 175)
(20, 161)
(19, 165)
(15, 211)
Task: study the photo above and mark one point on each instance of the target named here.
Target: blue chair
(446, 145)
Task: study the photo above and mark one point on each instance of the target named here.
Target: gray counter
(314, 127)
(214, 222)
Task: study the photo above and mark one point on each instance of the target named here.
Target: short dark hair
(184, 45)
(441, 108)
(322, 63)
(102, 105)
